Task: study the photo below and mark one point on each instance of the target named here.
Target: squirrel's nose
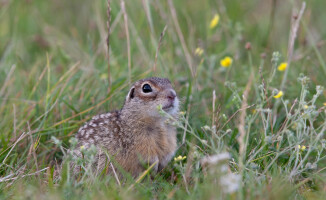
(171, 95)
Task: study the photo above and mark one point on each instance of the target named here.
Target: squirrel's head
(147, 94)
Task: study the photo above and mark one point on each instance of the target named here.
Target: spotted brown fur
(137, 133)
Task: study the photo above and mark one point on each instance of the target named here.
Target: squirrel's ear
(131, 94)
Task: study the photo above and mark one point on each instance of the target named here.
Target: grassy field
(240, 137)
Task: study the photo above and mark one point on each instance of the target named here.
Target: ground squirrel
(137, 134)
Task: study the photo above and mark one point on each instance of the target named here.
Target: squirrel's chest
(159, 142)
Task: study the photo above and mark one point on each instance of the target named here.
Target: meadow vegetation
(250, 75)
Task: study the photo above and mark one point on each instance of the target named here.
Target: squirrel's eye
(147, 88)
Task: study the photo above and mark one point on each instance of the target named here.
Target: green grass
(54, 77)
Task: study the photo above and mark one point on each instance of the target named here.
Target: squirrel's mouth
(167, 107)
(171, 107)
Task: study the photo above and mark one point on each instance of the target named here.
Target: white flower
(230, 182)
(215, 159)
(206, 128)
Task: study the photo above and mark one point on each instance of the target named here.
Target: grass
(239, 141)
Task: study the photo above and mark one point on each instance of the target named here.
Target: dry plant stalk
(181, 38)
(186, 126)
(158, 47)
(108, 12)
(287, 118)
(6, 82)
(125, 17)
(13, 146)
(242, 122)
(4, 179)
(234, 114)
(115, 174)
(32, 148)
(148, 15)
(266, 98)
(213, 105)
(295, 22)
(142, 176)
(15, 121)
(85, 111)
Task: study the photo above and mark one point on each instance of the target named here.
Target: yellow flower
(226, 61)
(302, 148)
(305, 107)
(324, 104)
(82, 147)
(282, 66)
(104, 76)
(182, 112)
(279, 94)
(179, 158)
(199, 51)
(214, 21)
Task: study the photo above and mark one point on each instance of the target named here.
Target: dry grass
(62, 62)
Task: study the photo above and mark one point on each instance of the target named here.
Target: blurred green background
(74, 31)
(54, 65)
